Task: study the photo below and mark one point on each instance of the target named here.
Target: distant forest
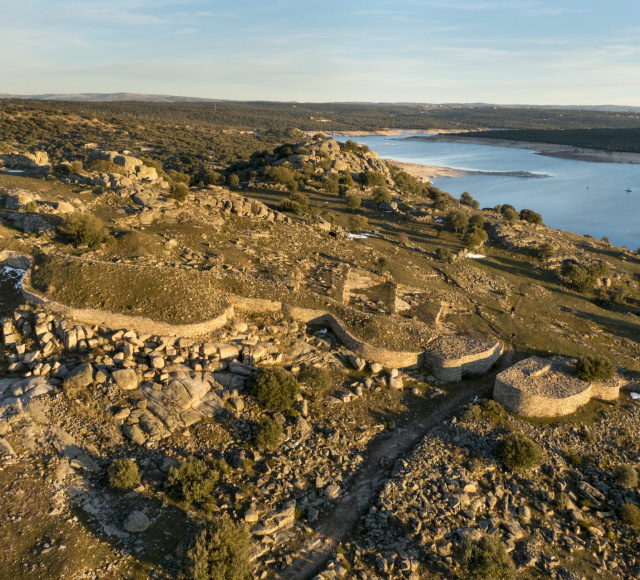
(189, 136)
(627, 140)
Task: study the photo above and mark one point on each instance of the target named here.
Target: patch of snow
(475, 256)
(14, 170)
(635, 396)
(357, 236)
(13, 273)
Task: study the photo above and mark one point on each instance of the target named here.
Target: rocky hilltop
(297, 352)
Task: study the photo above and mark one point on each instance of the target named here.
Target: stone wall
(538, 387)
(526, 404)
(453, 369)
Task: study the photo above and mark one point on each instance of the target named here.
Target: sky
(562, 52)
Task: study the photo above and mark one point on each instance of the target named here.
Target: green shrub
(546, 251)
(531, 216)
(76, 168)
(178, 191)
(124, 474)
(358, 223)
(486, 559)
(487, 410)
(317, 379)
(444, 255)
(221, 551)
(372, 178)
(630, 515)
(290, 206)
(353, 201)
(458, 221)
(85, 229)
(233, 180)
(562, 501)
(475, 238)
(269, 434)
(382, 194)
(510, 214)
(594, 368)
(627, 476)
(31, 206)
(103, 166)
(517, 452)
(194, 479)
(467, 199)
(275, 389)
(476, 221)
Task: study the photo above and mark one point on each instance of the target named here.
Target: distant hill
(141, 97)
(110, 97)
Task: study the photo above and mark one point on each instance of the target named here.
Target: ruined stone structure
(538, 387)
(450, 358)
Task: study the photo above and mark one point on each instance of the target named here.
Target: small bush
(358, 223)
(104, 166)
(630, 515)
(475, 239)
(372, 178)
(444, 255)
(275, 389)
(317, 379)
(627, 476)
(179, 191)
(594, 368)
(546, 251)
(124, 474)
(531, 216)
(517, 452)
(562, 501)
(85, 229)
(222, 551)
(31, 206)
(467, 199)
(510, 214)
(382, 194)
(486, 559)
(290, 206)
(233, 180)
(353, 201)
(458, 221)
(476, 221)
(403, 238)
(194, 479)
(269, 434)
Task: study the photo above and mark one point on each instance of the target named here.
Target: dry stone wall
(538, 387)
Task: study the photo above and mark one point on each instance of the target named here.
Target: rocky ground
(382, 475)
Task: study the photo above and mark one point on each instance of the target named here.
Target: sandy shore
(431, 172)
(547, 149)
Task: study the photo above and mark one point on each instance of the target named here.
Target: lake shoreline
(546, 149)
(433, 172)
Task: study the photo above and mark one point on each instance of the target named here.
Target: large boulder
(80, 377)
(126, 379)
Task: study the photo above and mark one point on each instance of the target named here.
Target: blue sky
(519, 51)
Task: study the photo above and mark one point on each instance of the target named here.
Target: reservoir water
(579, 196)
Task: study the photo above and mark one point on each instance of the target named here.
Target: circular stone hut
(539, 387)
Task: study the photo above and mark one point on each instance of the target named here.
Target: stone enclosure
(538, 387)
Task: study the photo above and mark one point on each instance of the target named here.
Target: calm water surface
(579, 196)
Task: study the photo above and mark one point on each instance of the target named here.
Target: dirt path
(337, 525)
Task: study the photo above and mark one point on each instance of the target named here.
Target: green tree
(531, 216)
(594, 368)
(269, 434)
(124, 474)
(194, 479)
(178, 191)
(475, 238)
(221, 551)
(353, 201)
(275, 389)
(85, 229)
(382, 194)
(372, 178)
(518, 453)
(358, 223)
(467, 199)
(486, 559)
(458, 221)
(233, 180)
